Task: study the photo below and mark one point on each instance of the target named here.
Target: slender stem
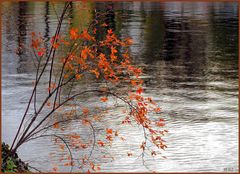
(55, 41)
(34, 89)
(24, 138)
(64, 141)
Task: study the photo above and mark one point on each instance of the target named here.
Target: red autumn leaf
(161, 119)
(84, 146)
(55, 169)
(152, 131)
(101, 143)
(160, 123)
(40, 53)
(139, 90)
(109, 137)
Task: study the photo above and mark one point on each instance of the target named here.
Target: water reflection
(21, 39)
(189, 52)
(47, 22)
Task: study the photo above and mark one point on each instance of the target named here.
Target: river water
(189, 52)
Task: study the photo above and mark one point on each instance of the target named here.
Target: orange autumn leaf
(75, 136)
(55, 45)
(134, 82)
(110, 31)
(67, 164)
(113, 57)
(109, 131)
(85, 111)
(95, 71)
(73, 33)
(85, 52)
(35, 43)
(97, 118)
(56, 125)
(104, 99)
(62, 146)
(65, 76)
(160, 124)
(113, 50)
(157, 109)
(85, 35)
(151, 101)
(78, 76)
(104, 25)
(129, 41)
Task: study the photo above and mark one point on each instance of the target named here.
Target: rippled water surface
(189, 52)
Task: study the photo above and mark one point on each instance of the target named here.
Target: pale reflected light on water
(189, 53)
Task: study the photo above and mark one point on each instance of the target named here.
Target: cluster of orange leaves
(107, 59)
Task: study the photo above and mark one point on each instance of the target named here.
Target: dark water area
(189, 55)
